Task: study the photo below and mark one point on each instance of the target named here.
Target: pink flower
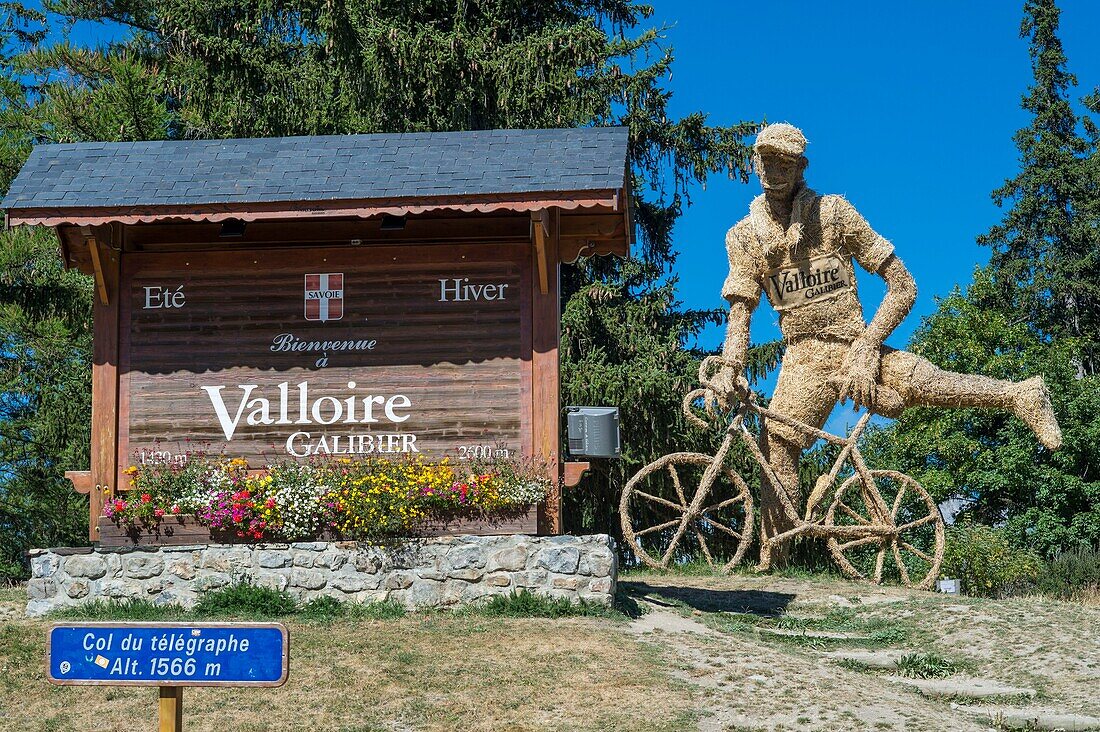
(158, 512)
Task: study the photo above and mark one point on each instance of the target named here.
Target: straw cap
(782, 138)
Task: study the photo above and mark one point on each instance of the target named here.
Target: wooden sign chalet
(338, 295)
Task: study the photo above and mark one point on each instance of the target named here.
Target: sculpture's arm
(731, 379)
(742, 289)
(901, 294)
(861, 365)
(736, 346)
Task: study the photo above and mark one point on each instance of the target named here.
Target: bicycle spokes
(885, 528)
(682, 507)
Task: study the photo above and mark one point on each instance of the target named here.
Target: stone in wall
(441, 572)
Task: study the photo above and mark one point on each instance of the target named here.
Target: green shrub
(386, 610)
(1072, 575)
(926, 666)
(988, 564)
(247, 599)
(12, 572)
(240, 600)
(326, 609)
(627, 605)
(120, 610)
(526, 604)
(323, 608)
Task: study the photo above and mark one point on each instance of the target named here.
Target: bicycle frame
(805, 523)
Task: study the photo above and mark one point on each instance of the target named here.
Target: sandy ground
(768, 653)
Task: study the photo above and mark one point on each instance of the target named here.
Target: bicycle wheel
(890, 530)
(672, 526)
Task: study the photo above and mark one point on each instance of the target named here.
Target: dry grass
(422, 672)
(1090, 596)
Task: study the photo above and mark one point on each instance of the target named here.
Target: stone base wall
(436, 572)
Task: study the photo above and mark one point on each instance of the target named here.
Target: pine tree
(1033, 310)
(45, 410)
(45, 311)
(240, 68)
(1045, 253)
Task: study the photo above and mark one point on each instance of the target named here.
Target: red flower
(175, 509)
(145, 498)
(158, 512)
(270, 503)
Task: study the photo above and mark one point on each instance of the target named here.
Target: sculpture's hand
(859, 373)
(729, 382)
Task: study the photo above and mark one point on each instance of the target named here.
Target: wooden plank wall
(461, 364)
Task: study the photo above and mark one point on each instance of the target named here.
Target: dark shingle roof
(320, 168)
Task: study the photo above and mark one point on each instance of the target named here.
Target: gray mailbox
(593, 431)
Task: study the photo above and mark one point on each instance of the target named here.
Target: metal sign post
(169, 656)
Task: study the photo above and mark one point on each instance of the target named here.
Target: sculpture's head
(778, 156)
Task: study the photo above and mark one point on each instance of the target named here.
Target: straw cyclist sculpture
(798, 247)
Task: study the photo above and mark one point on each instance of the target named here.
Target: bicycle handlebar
(710, 394)
(708, 405)
(710, 367)
(887, 400)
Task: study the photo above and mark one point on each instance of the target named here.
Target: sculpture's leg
(783, 457)
(922, 384)
(802, 392)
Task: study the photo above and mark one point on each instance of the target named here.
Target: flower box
(185, 530)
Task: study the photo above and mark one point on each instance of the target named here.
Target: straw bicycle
(877, 524)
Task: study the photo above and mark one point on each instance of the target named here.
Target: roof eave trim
(97, 216)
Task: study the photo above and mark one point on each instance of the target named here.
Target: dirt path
(768, 653)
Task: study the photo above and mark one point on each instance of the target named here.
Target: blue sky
(909, 108)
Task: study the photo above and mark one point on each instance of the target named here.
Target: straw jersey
(805, 269)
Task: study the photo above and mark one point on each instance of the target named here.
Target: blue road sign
(168, 654)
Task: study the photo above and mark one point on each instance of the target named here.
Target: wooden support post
(540, 226)
(171, 708)
(545, 388)
(97, 269)
(104, 459)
